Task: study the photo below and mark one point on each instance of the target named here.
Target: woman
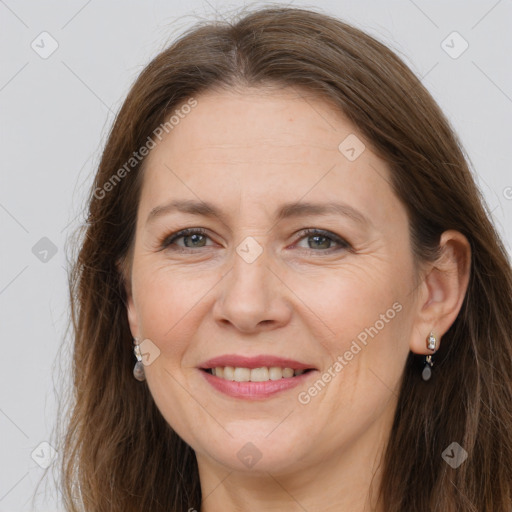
(285, 238)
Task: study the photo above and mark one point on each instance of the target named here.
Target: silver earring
(138, 369)
(431, 345)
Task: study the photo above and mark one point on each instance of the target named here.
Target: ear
(125, 275)
(442, 291)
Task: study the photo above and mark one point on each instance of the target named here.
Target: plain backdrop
(65, 68)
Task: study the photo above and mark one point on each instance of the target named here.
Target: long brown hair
(119, 454)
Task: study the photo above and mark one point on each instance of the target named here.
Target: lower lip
(254, 390)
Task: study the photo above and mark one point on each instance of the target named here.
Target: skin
(248, 151)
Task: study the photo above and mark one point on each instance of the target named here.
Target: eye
(192, 238)
(319, 240)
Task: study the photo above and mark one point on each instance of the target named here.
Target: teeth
(242, 375)
(259, 374)
(229, 372)
(276, 373)
(287, 373)
(262, 374)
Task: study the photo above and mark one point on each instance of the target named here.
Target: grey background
(56, 113)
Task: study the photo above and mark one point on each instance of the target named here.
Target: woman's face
(253, 284)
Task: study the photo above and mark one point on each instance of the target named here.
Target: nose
(253, 296)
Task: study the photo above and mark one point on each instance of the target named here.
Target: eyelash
(305, 233)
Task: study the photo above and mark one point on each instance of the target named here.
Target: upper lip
(254, 362)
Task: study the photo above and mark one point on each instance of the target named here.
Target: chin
(260, 455)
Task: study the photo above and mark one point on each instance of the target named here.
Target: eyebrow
(286, 211)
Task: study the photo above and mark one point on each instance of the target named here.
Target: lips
(254, 378)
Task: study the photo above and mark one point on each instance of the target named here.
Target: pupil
(320, 237)
(195, 238)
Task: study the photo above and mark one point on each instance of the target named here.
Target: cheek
(348, 299)
(170, 304)
(363, 335)
(362, 319)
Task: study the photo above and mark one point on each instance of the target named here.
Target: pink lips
(254, 390)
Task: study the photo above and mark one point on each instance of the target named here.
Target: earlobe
(442, 291)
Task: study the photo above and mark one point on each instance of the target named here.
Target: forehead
(265, 145)
(288, 122)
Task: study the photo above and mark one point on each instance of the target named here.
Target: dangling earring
(431, 345)
(138, 369)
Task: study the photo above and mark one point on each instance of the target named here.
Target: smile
(263, 374)
(276, 380)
